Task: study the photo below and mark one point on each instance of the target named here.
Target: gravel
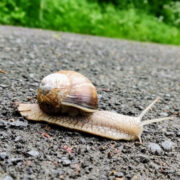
(128, 76)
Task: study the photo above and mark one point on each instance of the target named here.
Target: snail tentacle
(148, 108)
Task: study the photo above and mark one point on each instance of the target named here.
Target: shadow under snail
(69, 99)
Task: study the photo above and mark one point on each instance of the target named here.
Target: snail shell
(67, 92)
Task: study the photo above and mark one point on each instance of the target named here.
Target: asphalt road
(128, 76)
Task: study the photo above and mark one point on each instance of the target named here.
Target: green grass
(88, 17)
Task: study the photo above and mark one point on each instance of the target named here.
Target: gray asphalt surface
(128, 76)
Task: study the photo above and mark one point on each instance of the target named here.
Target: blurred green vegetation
(143, 20)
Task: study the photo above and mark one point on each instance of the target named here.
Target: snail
(69, 99)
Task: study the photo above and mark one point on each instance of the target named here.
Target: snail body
(62, 101)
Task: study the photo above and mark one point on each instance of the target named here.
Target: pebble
(3, 123)
(168, 133)
(178, 134)
(19, 123)
(82, 140)
(65, 161)
(4, 85)
(143, 158)
(154, 148)
(57, 172)
(3, 155)
(178, 173)
(167, 145)
(33, 153)
(167, 96)
(15, 160)
(163, 114)
(7, 178)
(18, 138)
(28, 177)
(3, 135)
(119, 174)
(103, 177)
(168, 171)
(152, 165)
(85, 164)
(88, 148)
